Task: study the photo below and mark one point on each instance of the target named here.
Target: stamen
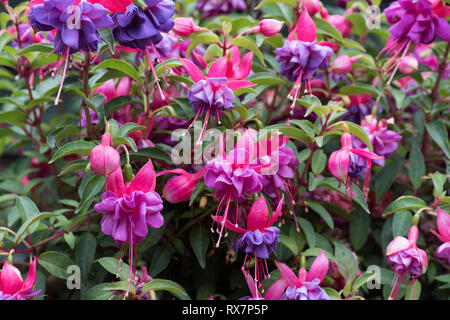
(63, 76)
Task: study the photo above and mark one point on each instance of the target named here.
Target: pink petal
(124, 87)
(228, 224)
(218, 69)
(245, 67)
(115, 183)
(306, 28)
(235, 56)
(276, 213)
(145, 180)
(252, 286)
(195, 73)
(398, 244)
(366, 154)
(239, 84)
(287, 274)
(338, 164)
(276, 290)
(443, 224)
(319, 268)
(258, 215)
(31, 278)
(10, 279)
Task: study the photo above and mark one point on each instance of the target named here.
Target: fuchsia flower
(300, 57)
(260, 237)
(179, 188)
(405, 258)
(214, 93)
(130, 208)
(443, 225)
(104, 159)
(347, 164)
(305, 286)
(12, 287)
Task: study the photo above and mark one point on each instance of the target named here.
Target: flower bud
(184, 27)
(104, 158)
(408, 65)
(179, 188)
(342, 64)
(313, 6)
(269, 27)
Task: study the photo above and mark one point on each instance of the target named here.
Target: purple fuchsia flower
(12, 287)
(259, 239)
(443, 225)
(26, 35)
(411, 22)
(346, 164)
(76, 25)
(213, 94)
(384, 141)
(360, 106)
(304, 287)
(300, 57)
(405, 258)
(130, 208)
(212, 8)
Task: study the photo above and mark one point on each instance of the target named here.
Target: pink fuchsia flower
(184, 27)
(346, 163)
(443, 226)
(179, 188)
(304, 287)
(405, 258)
(300, 57)
(213, 94)
(259, 239)
(384, 141)
(130, 208)
(268, 27)
(104, 159)
(12, 287)
(313, 6)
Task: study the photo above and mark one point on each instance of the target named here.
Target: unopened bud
(104, 159)
(184, 27)
(268, 27)
(408, 65)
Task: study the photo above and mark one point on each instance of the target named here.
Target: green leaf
(92, 188)
(197, 190)
(413, 291)
(308, 229)
(111, 265)
(401, 223)
(314, 252)
(416, 165)
(266, 78)
(439, 134)
(160, 259)
(289, 243)
(123, 285)
(201, 38)
(107, 36)
(14, 117)
(346, 262)
(359, 26)
(97, 292)
(321, 211)
(263, 3)
(363, 279)
(74, 147)
(128, 128)
(122, 66)
(37, 47)
(324, 27)
(359, 88)
(319, 161)
(85, 253)
(355, 130)
(70, 239)
(387, 176)
(118, 102)
(199, 241)
(167, 285)
(74, 165)
(249, 44)
(24, 227)
(359, 229)
(287, 131)
(404, 203)
(27, 210)
(56, 263)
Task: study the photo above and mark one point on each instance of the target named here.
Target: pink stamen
(225, 215)
(63, 75)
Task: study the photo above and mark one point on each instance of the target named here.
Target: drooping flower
(384, 141)
(103, 158)
(77, 27)
(259, 239)
(12, 287)
(345, 164)
(300, 57)
(405, 258)
(212, 8)
(411, 22)
(179, 188)
(213, 94)
(304, 287)
(130, 208)
(443, 226)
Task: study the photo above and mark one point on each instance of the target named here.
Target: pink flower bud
(179, 188)
(104, 158)
(341, 23)
(408, 65)
(342, 64)
(269, 27)
(313, 6)
(184, 27)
